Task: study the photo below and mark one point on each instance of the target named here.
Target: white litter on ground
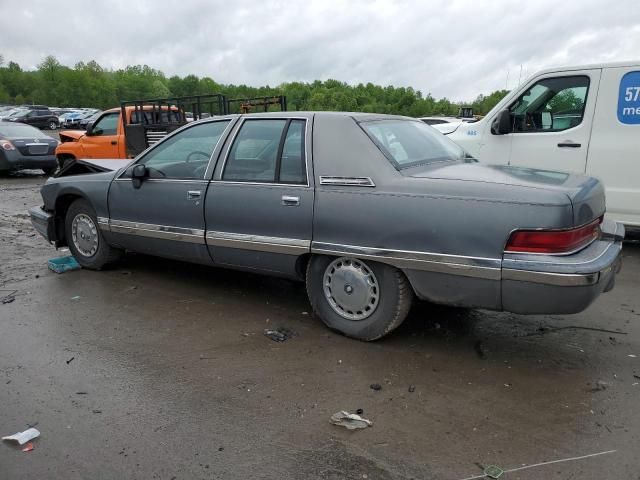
(23, 437)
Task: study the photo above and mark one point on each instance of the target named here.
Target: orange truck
(126, 131)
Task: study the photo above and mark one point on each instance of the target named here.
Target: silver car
(369, 210)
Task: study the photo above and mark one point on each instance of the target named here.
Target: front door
(259, 209)
(552, 121)
(164, 216)
(104, 139)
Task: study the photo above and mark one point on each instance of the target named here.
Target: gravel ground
(157, 369)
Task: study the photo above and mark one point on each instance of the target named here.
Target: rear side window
(409, 143)
(268, 151)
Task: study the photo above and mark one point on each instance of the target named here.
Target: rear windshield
(409, 143)
(19, 130)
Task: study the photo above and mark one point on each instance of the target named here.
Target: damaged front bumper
(44, 223)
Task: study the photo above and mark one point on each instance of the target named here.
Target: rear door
(553, 119)
(259, 208)
(104, 139)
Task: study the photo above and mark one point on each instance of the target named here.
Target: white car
(582, 119)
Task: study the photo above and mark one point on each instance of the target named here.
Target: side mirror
(90, 128)
(138, 174)
(501, 125)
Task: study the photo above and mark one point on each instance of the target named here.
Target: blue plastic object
(63, 264)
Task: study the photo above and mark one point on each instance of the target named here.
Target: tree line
(90, 85)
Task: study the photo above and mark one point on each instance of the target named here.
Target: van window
(551, 105)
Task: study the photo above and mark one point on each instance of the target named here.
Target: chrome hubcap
(351, 288)
(85, 235)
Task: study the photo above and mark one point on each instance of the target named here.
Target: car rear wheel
(53, 125)
(85, 239)
(363, 300)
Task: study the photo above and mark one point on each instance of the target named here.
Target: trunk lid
(585, 193)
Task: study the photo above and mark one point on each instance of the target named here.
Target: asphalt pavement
(161, 370)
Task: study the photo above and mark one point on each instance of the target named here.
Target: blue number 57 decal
(629, 99)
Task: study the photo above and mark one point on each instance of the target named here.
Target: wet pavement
(157, 369)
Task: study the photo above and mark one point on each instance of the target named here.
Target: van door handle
(191, 194)
(290, 201)
(569, 144)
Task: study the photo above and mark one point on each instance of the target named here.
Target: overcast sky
(453, 48)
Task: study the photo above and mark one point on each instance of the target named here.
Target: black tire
(104, 253)
(53, 125)
(49, 171)
(394, 301)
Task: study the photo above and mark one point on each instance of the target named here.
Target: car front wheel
(85, 239)
(363, 300)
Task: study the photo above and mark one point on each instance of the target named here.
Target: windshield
(408, 143)
(19, 130)
(19, 113)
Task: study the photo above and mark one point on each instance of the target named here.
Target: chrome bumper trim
(288, 246)
(557, 279)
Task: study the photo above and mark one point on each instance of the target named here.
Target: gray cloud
(453, 48)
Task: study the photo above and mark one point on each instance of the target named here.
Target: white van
(575, 119)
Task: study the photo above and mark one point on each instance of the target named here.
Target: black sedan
(23, 146)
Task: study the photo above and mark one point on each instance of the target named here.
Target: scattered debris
(543, 330)
(28, 447)
(220, 449)
(350, 421)
(63, 264)
(77, 297)
(23, 437)
(600, 386)
(96, 411)
(375, 386)
(524, 467)
(493, 472)
(359, 411)
(480, 350)
(637, 376)
(631, 355)
(305, 313)
(412, 388)
(9, 297)
(70, 360)
(81, 393)
(280, 334)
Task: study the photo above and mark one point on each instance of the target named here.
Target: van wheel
(363, 300)
(85, 239)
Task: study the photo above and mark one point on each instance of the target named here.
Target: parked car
(90, 119)
(11, 112)
(583, 119)
(73, 119)
(40, 118)
(369, 210)
(23, 146)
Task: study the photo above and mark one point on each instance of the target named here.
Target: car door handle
(569, 144)
(191, 194)
(290, 201)
(114, 142)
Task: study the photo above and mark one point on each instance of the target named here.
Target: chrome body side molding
(347, 181)
(162, 232)
(288, 246)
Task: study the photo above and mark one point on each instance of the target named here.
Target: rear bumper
(43, 222)
(14, 160)
(544, 284)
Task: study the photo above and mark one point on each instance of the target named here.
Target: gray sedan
(369, 210)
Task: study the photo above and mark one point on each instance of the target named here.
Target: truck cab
(571, 119)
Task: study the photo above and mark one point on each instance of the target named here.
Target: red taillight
(7, 145)
(553, 241)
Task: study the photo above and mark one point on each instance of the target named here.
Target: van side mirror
(90, 128)
(138, 174)
(502, 124)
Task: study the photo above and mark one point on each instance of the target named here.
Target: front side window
(107, 125)
(551, 105)
(185, 155)
(409, 143)
(269, 151)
